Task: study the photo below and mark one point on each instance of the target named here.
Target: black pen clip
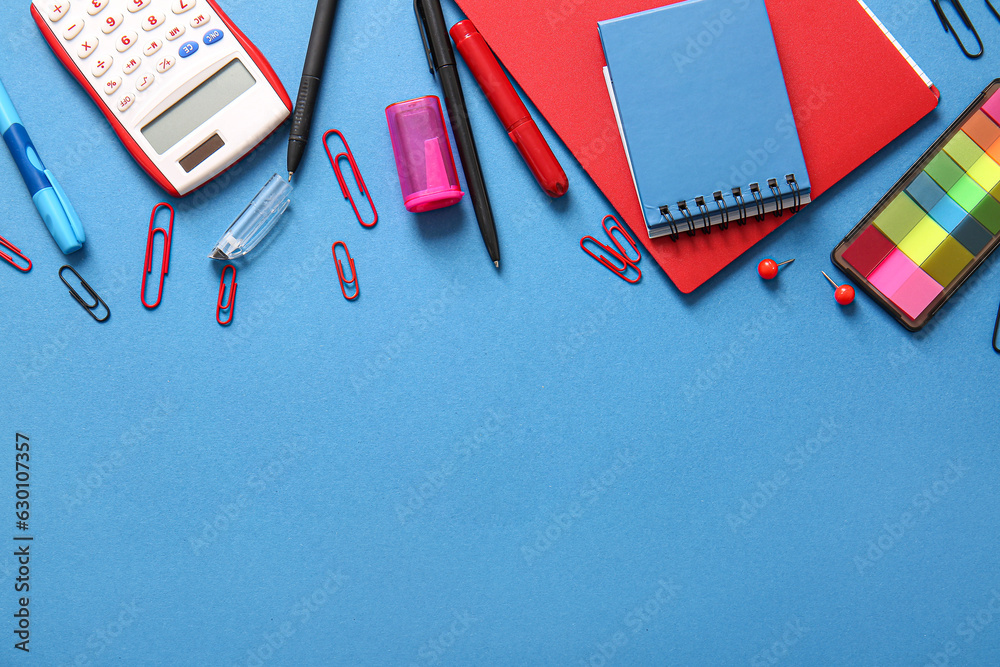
(968, 24)
(422, 24)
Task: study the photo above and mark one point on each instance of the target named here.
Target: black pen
(312, 73)
(441, 57)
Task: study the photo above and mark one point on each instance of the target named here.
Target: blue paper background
(193, 485)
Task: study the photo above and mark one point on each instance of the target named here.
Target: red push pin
(844, 294)
(768, 269)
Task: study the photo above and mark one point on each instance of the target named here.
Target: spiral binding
(759, 211)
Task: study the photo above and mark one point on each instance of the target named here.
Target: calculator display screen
(198, 106)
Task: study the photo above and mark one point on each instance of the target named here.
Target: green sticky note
(945, 172)
(967, 193)
(947, 261)
(899, 217)
(963, 150)
(987, 212)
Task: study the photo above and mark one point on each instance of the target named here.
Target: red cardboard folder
(851, 86)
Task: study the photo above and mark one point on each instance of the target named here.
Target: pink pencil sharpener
(424, 160)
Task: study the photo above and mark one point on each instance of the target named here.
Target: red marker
(510, 109)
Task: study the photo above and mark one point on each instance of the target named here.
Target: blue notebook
(704, 115)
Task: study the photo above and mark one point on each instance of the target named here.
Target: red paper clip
(148, 267)
(335, 163)
(17, 251)
(618, 252)
(229, 305)
(344, 282)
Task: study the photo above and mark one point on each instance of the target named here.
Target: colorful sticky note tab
(963, 150)
(923, 240)
(916, 294)
(892, 273)
(925, 191)
(987, 212)
(967, 193)
(972, 235)
(982, 130)
(947, 261)
(899, 217)
(986, 172)
(945, 172)
(948, 214)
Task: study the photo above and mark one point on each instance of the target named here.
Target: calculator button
(137, 5)
(165, 63)
(126, 42)
(181, 6)
(145, 81)
(188, 49)
(94, 7)
(132, 65)
(153, 21)
(200, 20)
(101, 66)
(213, 36)
(73, 30)
(87, 47)
(57, 10)
(175, 32)
(152, 47)
(125, 102)
(111, 85)
(111, 23)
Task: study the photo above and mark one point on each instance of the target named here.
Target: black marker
(312, 73)
(441, 57)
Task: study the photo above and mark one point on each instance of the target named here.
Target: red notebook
(852, 89)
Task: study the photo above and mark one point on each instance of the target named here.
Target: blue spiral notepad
(704, 115)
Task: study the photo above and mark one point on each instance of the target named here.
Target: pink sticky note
(992, 107)
(892, 272)
(916, 294)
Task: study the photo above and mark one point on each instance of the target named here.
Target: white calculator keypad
(132, 46)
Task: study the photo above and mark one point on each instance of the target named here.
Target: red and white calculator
(185, 90)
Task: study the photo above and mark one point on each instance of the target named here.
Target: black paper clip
(948, 27)
(17, 251)
(996, 334)
(223, 305)
(148, 267)
(344, 282)
(618, 253)
(90, 308)
(335, 163)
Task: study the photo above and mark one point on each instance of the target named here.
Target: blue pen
(50, 200)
